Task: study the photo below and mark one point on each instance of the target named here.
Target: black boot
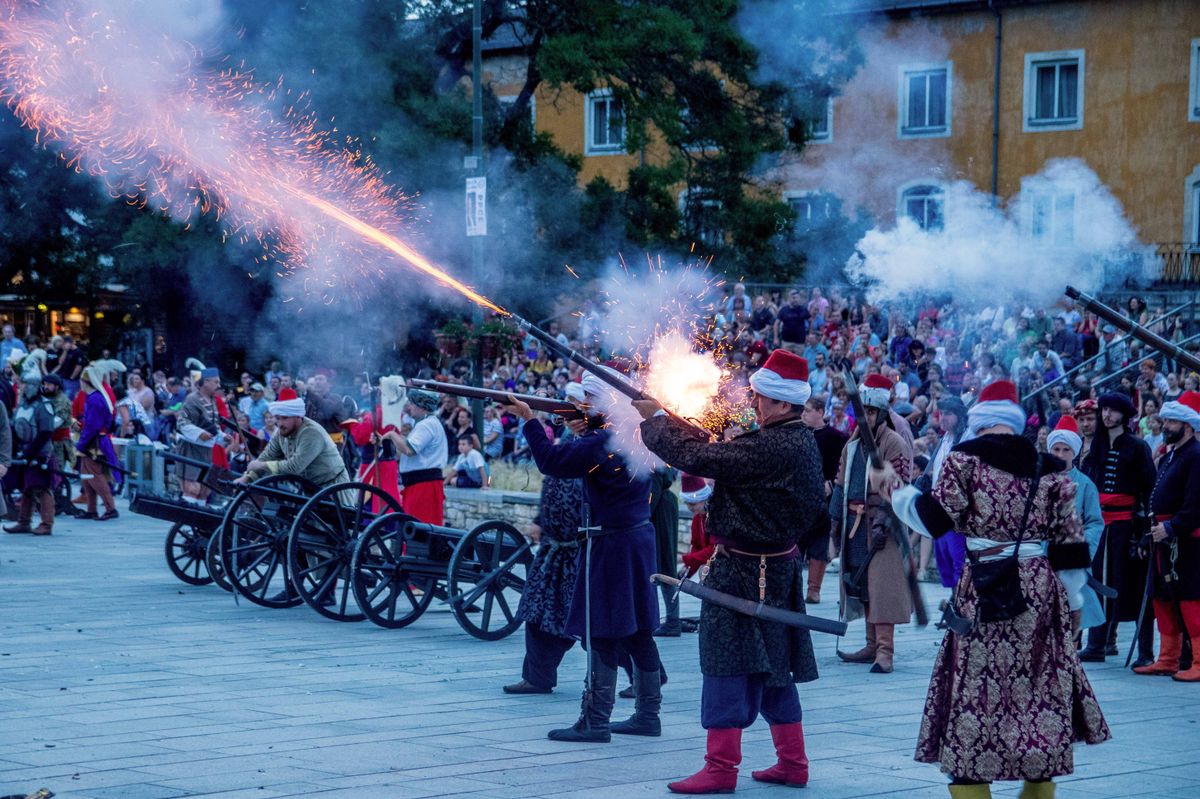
(1145, 643)
(670, 628)
(1094, 651)
(595, 710)
(644, 721)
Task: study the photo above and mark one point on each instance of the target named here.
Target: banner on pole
(477, 206)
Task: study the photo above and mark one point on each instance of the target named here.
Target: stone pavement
(117, 680)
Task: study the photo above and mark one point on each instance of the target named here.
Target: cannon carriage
(193, 524)
(347, 550)
(400, 566)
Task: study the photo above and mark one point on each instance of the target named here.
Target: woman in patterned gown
(1007, 699)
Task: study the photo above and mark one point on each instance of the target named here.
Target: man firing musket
(767, 501)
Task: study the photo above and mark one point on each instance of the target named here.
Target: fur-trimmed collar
(1010, 453)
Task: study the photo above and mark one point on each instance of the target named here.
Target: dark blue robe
(623, 600)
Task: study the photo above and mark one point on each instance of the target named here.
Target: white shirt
(471, 462)
(428, 442)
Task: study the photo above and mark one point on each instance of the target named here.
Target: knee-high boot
(719, 774)
(46, 511)
(816, 574)
(1191, 623)
(885, 648)
(792, 768)
(595, 709)
(867, 653)
(647, 686)
(24, 515)
(1170, 631)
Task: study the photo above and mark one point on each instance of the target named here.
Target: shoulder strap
(1034, 482)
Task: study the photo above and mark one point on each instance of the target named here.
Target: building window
(702, 217)
(1052, 218)
(820, 128)
(1194, 93)
(605, 124)
(811, 209)
(925, 204)
(1194, 220)
(925, 101)
(1054, 90)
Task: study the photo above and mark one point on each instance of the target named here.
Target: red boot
(1170, 632)
(1190, 610)
(792, 768)
(719, 774)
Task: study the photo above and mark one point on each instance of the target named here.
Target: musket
(1152, 340)
(752, 608)
(615, 380)
(45, 467)
(866, 439)
(558, 407)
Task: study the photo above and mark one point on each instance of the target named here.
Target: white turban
(1180, 413)
(991, 413)
(594, 386)
(1072, 440)
(289, 407)
(574, 391)
(771, 384)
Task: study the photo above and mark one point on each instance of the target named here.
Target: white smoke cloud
(1064, 227)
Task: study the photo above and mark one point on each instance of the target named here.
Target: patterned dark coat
(550, 583)
(769, 495)
(1007, 700)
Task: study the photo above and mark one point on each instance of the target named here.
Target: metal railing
(1079, 367)
(1179, 262)
(1137, 362)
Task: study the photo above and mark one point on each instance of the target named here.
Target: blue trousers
(543, 653)
(727, 702)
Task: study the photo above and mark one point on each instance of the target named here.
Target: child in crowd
(469, 469)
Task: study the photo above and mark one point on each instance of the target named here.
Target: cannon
(400, 565)
(192, 523)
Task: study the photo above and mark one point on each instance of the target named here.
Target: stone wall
(467, 507)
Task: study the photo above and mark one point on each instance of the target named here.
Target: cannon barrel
(1139, 332)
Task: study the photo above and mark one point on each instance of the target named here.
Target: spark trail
(125, 90)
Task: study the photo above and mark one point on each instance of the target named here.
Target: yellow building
(990, 92)
(987, 92)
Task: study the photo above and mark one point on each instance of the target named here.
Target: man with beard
(615, 606)
(1122, 467)
(766, 507)
(872, 566)
(830, 443)
(1175, 552)
(198, 432)
(1085, 416)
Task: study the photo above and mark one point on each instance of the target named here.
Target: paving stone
(173, 690)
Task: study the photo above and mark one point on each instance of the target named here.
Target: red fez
(787, 365)
(999, 391)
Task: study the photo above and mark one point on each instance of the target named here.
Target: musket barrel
(617, 382)
(558, 407)
(1139, 332)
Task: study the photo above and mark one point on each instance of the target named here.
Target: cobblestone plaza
(117, 680)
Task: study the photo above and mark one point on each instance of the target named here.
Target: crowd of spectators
(929, 350)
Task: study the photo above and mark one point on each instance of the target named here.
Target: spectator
(493, 432)
(469, 468)
(791, 324)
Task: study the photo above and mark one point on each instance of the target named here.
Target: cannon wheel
(321, 545)
(487, 561)
(212, 559)
(384, 588)
(185, 548)
(253, 542)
